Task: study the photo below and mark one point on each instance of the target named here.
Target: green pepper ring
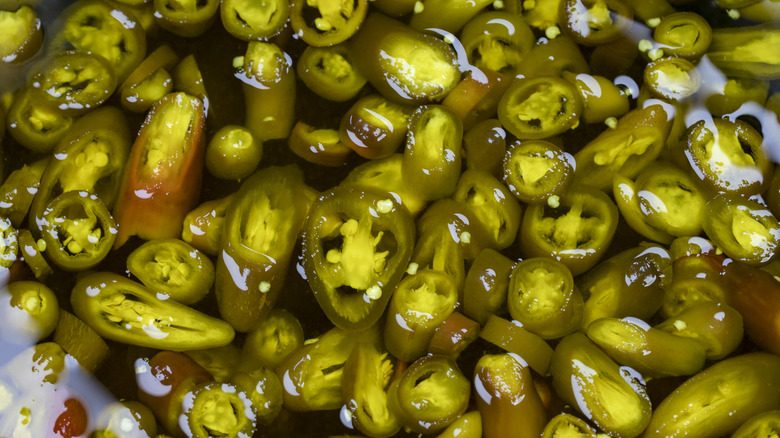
(88, 251)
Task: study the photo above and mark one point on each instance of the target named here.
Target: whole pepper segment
(334, 21)
(540, 107)
(356, 247)
(259, 234)
(161, 181)
(125, 311)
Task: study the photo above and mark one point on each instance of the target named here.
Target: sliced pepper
(174, 268)
(330, 72)
(122, 310)
(348, 226)
(90, 158)
(78, 230)
(251, 21)
(534, 170)
(73, 81)
(22, 34)
(109, 30)
(327, 22)
(540, 107)
(259, 234)
(161, 182)
(185, 18)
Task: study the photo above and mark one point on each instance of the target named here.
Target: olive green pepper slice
(743, 228)
(432, 158)
(33, 125)
(367, 374)
(217, 409)
(542, 296)
(19, 189)
(318, 146)
(420, 303)
(431, 394)
(512, 337)
(468, 425)
(540, 107)
(648, 350)
(683, 34)
(630, 283)
(506, 397)
(385, 174)
(80, 341)
(375, 127)
(268, 83)
(22, 34)
(327, 22)
(275, 338)
(34, 310)
(593, 22)
(497, 41)
(718, 327)
(109, 30)
(185, 18)
(122, 310)
(576, 229)
(672, 78)
(728, 156)
(347, 227)
(695, 278)
(746, 51)
(73, 81)
(203, 226)
(251, 21)
(263, 388)
(601, 97)
(492, 205)
(233, 153)
(174, 268)
(31, 252)
(149, 81)
(635, 142)
(763, 425)
(222, 362)
(259, 233)
(78, 230)
(608, 395)
(330, 72)
(719, 399)
(403, 64)
(90, 158)
(484, 146)
(312, 375)
(534, 170)
(566, 425)
(486, 284)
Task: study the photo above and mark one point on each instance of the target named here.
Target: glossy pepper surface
(259, 233)
(356, 246)
(125, 311)
(161, 182)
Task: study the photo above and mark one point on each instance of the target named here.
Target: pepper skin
(259, 234)
(631, 283)
(756, 295)
(162, 178)
(485, 289)
(506, 397)
(716, 326)
(608, 395)
(125, 311)
(22, 34)
(719, 399)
